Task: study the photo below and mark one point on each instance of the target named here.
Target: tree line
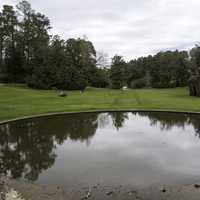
(30, 54)
(164, 70)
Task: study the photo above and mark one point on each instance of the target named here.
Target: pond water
(137, 149)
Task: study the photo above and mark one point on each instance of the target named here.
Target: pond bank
(17, 190)
(97, 111)
(29, 191)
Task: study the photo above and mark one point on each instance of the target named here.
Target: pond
(138, 149)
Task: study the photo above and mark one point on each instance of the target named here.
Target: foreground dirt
(97, 192)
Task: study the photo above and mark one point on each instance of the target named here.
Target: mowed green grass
(19, 101)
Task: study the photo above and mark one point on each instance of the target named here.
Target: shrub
(138, 83)
(42, 78)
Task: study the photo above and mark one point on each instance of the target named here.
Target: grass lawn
(19, 101)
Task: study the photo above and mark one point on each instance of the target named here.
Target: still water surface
(134, 149)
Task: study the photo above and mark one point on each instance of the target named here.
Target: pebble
(109, 193)
(197, 186)
(130, 193)
(164, 190)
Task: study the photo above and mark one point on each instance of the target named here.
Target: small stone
(131, 193)
(197, 186)
(87, 196)
(109, 193)
(164, 190)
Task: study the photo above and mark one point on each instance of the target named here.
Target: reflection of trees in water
(195, 121)
(166, 120)
(23, 151)
(27, 147)
(169, 120)
(118, 119)
(103, 120)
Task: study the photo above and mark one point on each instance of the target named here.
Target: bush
(138, 83)
(100, 79)
(42, 78)
(71, 81)
(164, 84)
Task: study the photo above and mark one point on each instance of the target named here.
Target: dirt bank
(98, 192)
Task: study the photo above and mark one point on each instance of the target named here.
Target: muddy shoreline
(29, 191)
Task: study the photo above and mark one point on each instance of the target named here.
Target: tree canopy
(29, 54)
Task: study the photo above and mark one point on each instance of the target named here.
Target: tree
(117, 72)
(66, 65)
(81, 62)
(9, 45)
(194, 80)
(25, 11)
(138, 72)
(169, 69)
(34, 28)
(50, 73)
(2, 35)
(182, 70)
(100, 78)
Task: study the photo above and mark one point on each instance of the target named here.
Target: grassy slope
(18, 101)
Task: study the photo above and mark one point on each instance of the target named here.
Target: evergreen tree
(117, 72)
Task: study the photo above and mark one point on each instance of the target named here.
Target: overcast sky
(131, 28)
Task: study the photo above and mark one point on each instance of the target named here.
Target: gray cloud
(132, 28)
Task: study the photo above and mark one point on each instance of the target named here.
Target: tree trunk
(1, 52)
